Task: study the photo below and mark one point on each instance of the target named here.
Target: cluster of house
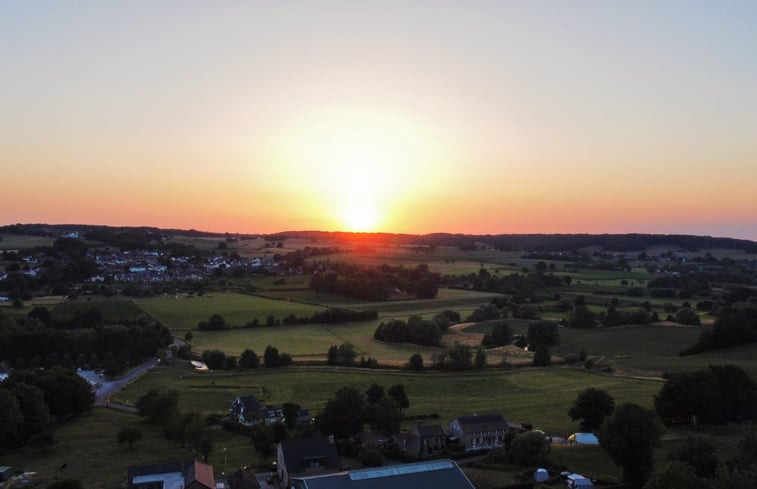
(472, 433)
(311, 463)
(153, 266)
(247, 411)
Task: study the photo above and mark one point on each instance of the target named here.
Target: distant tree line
(375, 283)
(30, 343)
(218, 360)
(517, 284)
(331, 315)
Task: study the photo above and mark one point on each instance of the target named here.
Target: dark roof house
(246, 410)
(306, 456)
(479, 432)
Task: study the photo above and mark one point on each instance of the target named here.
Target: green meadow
(538, 396)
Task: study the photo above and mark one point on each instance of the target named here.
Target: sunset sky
(474, 117)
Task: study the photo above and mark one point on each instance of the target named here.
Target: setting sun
(360, 218)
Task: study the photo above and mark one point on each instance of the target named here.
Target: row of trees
(28, 343)
(375, 283)
(218, 360)
(332, 315)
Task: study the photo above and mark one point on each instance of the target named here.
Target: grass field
(20, 241)
(184, 313)
(538, 396)
(111, 309)
(87, 445)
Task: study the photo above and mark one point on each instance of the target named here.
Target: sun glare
(360, 218)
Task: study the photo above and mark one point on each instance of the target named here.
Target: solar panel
(400, 470)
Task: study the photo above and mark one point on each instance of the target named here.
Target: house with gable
(480, 431)
(306, 457)
(246, 410)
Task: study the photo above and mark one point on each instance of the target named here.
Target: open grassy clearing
(88, 446)
(111, 309)
(20, 241)
(538, 396)
(185, 312)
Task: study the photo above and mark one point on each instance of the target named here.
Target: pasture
(538, 396)
(88, 448)
(20, 241)
(184, 312)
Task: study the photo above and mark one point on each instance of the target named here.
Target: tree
(676, 475)
(629, 437)
(502, 334)
(188, 337)
(700, 453)
(543, 333)
(386, 416)
(231, 363)
(529, 449)
(31, 401)
(66, 394)
(290, 413)
(158, 407)
(374, 394)
(271, 357)
(214, 359)
(344, 415)
(11, 421)
(129, 435)
(479, 361)
(249, 359)
(591, 406)
(580, 317)
(542, 358)
(397, 392)
(371, 456)
(415, 362)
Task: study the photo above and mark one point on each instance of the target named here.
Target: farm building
(174, 475)
(436, 474)
(479, 432)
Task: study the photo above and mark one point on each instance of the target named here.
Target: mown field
(20, 241)
(184, 312)
(88, 448)
(538, 396)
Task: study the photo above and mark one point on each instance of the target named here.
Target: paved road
(107, 389)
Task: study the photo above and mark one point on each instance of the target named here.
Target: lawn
(20, 241)
(538, 396)
(184, 312)
(111, 309)
(88, 448)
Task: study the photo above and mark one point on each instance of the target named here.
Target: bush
(542, 358)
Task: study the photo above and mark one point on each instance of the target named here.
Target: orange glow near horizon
(493, 117)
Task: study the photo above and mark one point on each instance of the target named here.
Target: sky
(399, 116)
